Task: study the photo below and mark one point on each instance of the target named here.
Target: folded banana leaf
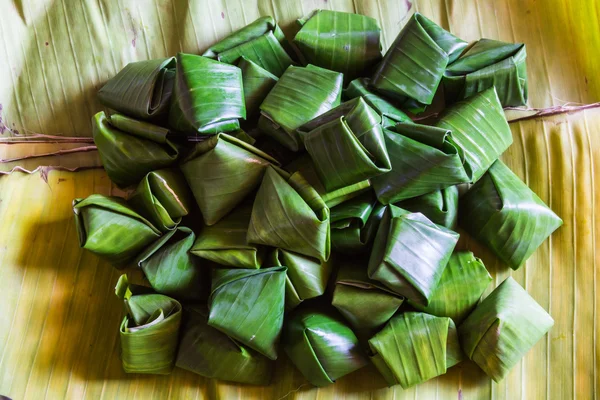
(503, 213)
(257, 83)
(171, 269)
(354, 223)
(503, 328)
(454, 353)
(339, 41)
(149, 332)
(141, 89)
(225, 242)
(322, 346)
(261, 42)
(244, 137)
(423, 158)
(485, 64)
(208, 97)
(413, 66)
(208, 352)
(129, 149)
(163, 197)
(300, 95)
(410, 254)
(221, 171)
(440, 206)
(306, 276)
(346, 144)
(412, 348)
(248, 306)
(480, 129)
(109, 227)
(390, 115)
(288, 213)
(464, 280)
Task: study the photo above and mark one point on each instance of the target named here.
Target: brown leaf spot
(46, 43)
(61, 180)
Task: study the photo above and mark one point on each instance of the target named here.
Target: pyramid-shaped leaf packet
(306, 276)
(248, 306)
(163, 197)
(142, 89)
(129, 149)
(208, 97)
(346, 144)
(288, 213)
(221, 171)
(257, 82)
(440, 206)
(410, 254)
(149, 332)
(485, 64)
(480, 129)
(413, 66)
(109, 227)
(463, 282)
(502, 212)
(300, 95)
(225, 242)
(503, 328)
(340, 41)
(322, 346)
(208, 352)
(423, 158)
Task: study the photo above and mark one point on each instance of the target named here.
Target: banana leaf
(502, 212)
(480, 129)
(410, 254)
(464, 280)
(454, 353)
(300, 95)
(208, 97)
(248, 306)
(306, 277)
(390, 115)
(423, 158)
(163, 197)
(109, 227)
(288, 213)
(440, 206)
(321, 345)
(413, 66)
(208, 352)
(503, 328)
(257, 83)
(346, 144)
(129, 149)
(485, 64)
(149, 332)
(244, 137)
(171, 269)
(339, 41)
(221, 171)
(141, 89)
(225, 242)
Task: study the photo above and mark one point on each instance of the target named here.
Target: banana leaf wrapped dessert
(503, 328)
(346, 144)
(440, 206)
(208, 352)
(339, 41)
(410, 254)
(413, 66)
(129, 149)
(300, 95)
(208, 97)
(257, 83)
(288, 213)
(149, 332)
(221, 171)
(109, 227)
(248, 306)
(322, 346)
(163, 197)
(502, 212)
(485, 64)
(142, 89)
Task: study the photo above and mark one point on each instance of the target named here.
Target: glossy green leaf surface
(440, 206)
(257, 83)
